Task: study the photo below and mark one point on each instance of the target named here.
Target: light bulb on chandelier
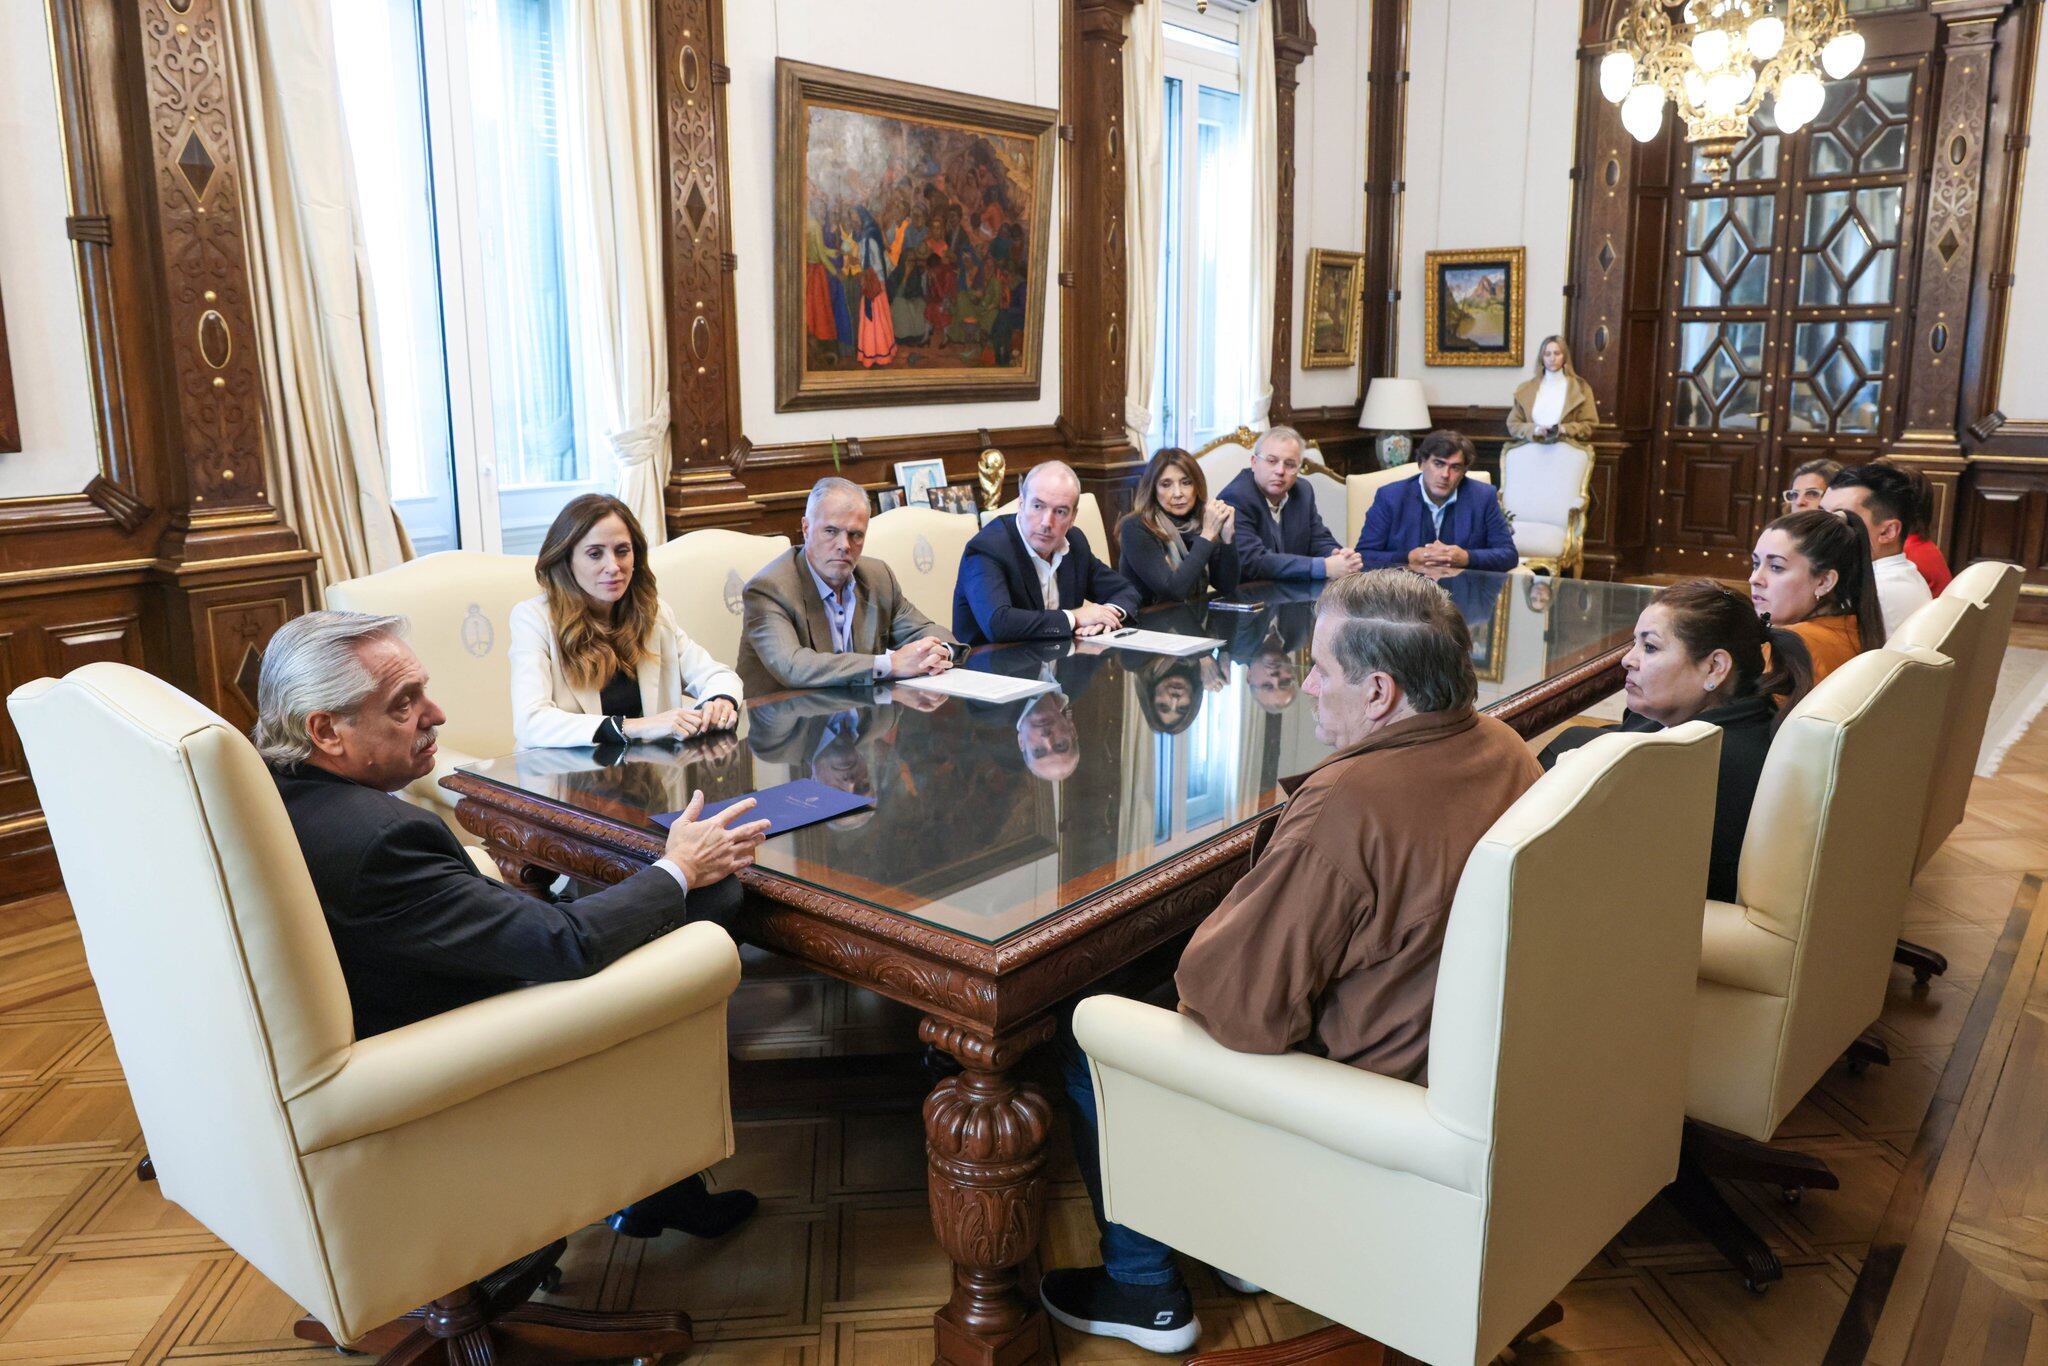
(1842, 54)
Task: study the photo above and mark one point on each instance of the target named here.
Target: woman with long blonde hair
(597, 657)
(1553, 405)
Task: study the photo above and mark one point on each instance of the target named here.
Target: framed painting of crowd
(911, 233)
(10, 418)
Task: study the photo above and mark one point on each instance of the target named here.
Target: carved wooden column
(229, 570)
(985, 1144)
(1931, 359)
(1294, 38)
(703, 341)
(1386, 123)
(1094, 319)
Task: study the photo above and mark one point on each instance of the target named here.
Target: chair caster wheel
(551, 1280)
(1790, 1194)
(1755, 1287)
(1921, 977)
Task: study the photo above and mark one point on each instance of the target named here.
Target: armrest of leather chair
(1735, 951)
(1361, 1114)
(434, 1064)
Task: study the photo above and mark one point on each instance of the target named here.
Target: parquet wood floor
(840, 1265)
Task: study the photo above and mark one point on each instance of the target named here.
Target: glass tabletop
(990, 817)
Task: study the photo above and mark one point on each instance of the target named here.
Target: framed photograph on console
(953, 498)
(1330, 315)
(1473, 307)
(10, 416)
(911, 235)
(915, 476)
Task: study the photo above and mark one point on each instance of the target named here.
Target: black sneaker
(687, 1207)
(1159, 1318)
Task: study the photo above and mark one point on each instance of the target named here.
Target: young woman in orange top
(1810, 574)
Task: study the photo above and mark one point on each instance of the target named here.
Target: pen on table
(1119, 631)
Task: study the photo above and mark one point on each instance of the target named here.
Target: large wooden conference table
(1018, 854)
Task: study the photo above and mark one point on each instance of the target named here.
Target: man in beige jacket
(820, 616)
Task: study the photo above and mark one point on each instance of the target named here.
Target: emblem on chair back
(923, 556)
(477, 632)
(735, 591)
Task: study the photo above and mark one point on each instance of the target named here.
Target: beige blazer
(1575, 426)
(787, 641)
(548, 710)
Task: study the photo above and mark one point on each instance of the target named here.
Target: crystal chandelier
(1717, 59)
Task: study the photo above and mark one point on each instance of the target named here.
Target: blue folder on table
(786, 806)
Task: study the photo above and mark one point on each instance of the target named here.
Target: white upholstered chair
(363, 1177)
(1546, 489)
(1440, 1219)
(702, 576)
(1362, 489)
(459, 603)
(923, 546)
(1969, 623)
(1792, 974)
(1087, 517)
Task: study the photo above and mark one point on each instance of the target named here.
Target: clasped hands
(927, 655)
(683, 722)
(1438, 555)
(1339, 563)
(1219, 521)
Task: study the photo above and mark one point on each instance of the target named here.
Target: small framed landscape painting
(1473, 307)
(911, 235)
(1330, 309)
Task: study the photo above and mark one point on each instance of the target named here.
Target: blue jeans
(1128, 1255)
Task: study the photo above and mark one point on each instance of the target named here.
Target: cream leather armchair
(1546, 489)
(1794, 973)
(923, 546)
(702, 576)
(363, 1177)
(1360, 491)
(459, 603)
(1440, 1219)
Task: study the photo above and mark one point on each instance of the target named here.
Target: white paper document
(1153, 642)
(977, 684)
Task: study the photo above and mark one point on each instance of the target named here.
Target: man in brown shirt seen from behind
(1330, 943)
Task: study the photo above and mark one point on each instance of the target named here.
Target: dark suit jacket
(1399, 522)
(997, 598)
(1293, 550)
(788, 638)
(419, 930)
(1746, 727)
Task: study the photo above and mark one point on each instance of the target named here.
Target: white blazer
(548, 711)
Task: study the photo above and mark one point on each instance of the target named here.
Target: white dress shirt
(1549, 404)
(1048, 574)
(1901, 591)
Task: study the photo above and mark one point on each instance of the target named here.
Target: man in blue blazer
(1439, 519)
(1280, 535)
(1029, 575)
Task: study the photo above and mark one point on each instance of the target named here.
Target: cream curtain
(608, 118)
(1144, 206)
(1259, 96)
(311, 293)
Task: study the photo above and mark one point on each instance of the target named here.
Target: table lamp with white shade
(1394, 408)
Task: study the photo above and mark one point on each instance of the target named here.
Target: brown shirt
(1330, 943)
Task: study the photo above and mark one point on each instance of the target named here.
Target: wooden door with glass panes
(1787, 286)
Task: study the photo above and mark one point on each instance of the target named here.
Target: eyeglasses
(1794, 496)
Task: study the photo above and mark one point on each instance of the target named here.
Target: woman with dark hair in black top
(1699, 656)
(1175, 542)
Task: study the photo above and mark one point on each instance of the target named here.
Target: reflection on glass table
(991, 817)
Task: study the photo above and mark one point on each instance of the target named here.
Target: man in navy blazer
(1029, 575)
(1280, 535)
(1439, 519)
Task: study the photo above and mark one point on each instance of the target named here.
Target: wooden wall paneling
(1294, 38)
(2012, 99)
(704, 488)
(10, 417)
(1093, 312)
(1386, 115)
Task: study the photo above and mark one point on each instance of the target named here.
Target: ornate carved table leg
(985, 1142)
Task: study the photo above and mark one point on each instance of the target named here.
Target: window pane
(520, 181)
(1166, 384)
(377, 52)
(1221, 319)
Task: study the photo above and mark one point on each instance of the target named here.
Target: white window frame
(1201, 50)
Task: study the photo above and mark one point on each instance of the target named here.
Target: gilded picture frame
(912, 242)
(1474, 306)
(1331, 309)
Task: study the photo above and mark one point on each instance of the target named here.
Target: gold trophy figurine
(991, 467)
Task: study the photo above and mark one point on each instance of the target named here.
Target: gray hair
(830, 487)
(1048, 467)
(1278, 436)
(314, 663)
(1403, 625)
